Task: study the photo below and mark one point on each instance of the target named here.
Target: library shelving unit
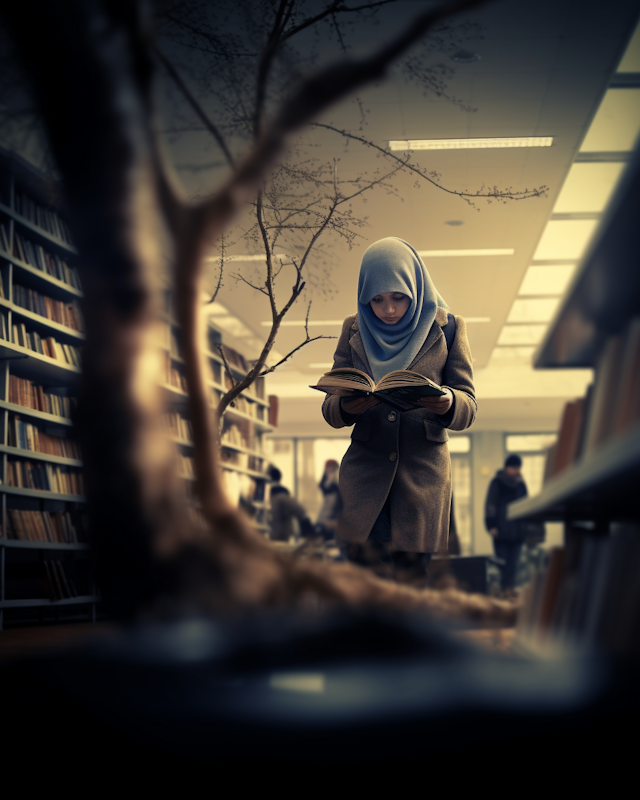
(244, 423)
(596, 496)
(44, 566)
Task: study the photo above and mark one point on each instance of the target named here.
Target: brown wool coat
(403, 454)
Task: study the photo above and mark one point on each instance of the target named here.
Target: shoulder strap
(449, 331)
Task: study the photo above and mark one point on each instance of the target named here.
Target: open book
(400, 389)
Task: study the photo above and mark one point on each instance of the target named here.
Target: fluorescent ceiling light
(519, 443)
(279, 256)
(233, 326)
(551, 280)
(616, 124)
(471, 144)
(630, 61)
(533, 310)
(567, 238)
(504, 251)
(299, 323)
(521, 334)
(588, 187)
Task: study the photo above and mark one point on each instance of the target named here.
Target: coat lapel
(358, 348)
(432, 337)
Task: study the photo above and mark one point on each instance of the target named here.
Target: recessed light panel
(521, 334)
(567, 238)
(588, 187)
(533, 310)
(504, 251)
(511, 354)
(616, 124)
(551, 280)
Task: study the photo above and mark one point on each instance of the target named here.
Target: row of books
(61, 586)
(243, 406)
(172, 376)
(242, 460)
(67, 314)
(44, 477)
(185, 466)
(23, 392)
(43, 217)
(233, 435)
(49, 346)
(50, 263)
(178, 426)
(27, 436)
(587, 595)
(610, 408)
(44, 526)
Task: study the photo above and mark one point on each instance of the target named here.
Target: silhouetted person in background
(327, 519)
(285, 511)
(508, 535)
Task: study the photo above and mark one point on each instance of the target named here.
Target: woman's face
(390, 307)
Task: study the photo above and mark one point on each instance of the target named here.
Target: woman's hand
(438, 405)
(356, 405)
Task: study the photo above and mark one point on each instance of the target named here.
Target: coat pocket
(362, 430)
(435, 432)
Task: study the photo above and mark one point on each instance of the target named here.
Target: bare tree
(92, 75)
(239, 58)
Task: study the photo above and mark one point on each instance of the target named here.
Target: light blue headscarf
(392, 265)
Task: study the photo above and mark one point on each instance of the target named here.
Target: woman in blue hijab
(395, 479)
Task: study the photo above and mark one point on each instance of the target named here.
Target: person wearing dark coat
(508, 535)
(395, 479)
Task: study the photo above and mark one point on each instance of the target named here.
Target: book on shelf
(52, 264)
(566, 450)
(4, 238)
(626, 411)
(273, 410)
(610, 408)
(587, 594)
(28, 436)
(234, 358)
(401, 389)
(23, 392)
(67, 314)
(43, 476)
(50, 347)
(607, 378)
(44, 218)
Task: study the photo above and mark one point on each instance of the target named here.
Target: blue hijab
(392, 265)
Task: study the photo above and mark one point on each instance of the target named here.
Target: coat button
(393, 456)
(392, 416)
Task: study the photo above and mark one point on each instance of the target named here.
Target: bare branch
(495, 193)
(295, 350)
(311, 98)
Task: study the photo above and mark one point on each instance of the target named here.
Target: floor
(18, 642)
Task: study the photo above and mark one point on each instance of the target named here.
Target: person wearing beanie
(395, 479)
(508, 535)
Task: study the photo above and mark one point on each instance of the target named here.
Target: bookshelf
(44, 554)
(244, 423)
(586, 596)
